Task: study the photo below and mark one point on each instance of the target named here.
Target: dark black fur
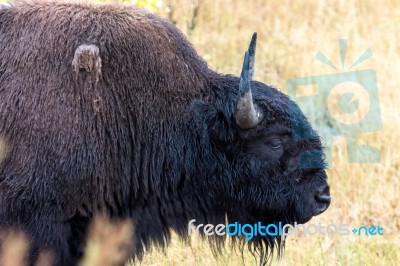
(154, 140)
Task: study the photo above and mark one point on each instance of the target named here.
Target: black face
(280, 164)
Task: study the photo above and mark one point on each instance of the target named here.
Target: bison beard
(108, 109)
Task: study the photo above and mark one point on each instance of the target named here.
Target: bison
(108, 109)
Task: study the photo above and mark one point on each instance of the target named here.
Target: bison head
(273, 167)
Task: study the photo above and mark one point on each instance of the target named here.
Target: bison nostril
(323, 199)
(323, 195)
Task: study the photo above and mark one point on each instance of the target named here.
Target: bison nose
(323, 199)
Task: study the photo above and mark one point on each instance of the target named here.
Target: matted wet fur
(108, 109)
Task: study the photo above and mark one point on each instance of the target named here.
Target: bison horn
(247, 113)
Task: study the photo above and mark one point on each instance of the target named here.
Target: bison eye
(276, 144)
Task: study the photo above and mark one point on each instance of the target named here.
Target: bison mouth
(318, 203)
(312, 197)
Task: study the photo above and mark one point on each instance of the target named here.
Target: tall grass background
(290, 33)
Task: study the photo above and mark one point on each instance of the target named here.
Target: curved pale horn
(247, 114)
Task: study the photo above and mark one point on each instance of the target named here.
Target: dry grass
(108, 243)
(290, 34)
(13, 246)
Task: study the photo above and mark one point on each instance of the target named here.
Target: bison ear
(212, 121)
